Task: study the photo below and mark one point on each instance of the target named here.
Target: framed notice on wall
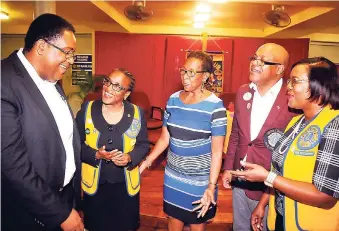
(81, 68)
(216, 79)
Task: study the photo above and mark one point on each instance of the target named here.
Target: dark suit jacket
(240, 139)
(32, 155)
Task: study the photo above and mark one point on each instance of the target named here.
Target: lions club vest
(299, 162)
(90, 175)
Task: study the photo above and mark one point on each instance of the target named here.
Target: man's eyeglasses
(190, 73)
(260, 62)
(295, 81)
(115, 86)
(68, 54)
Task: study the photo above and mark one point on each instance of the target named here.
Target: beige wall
(9, 43)
(329, 50)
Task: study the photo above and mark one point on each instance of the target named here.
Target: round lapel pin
(247, 96)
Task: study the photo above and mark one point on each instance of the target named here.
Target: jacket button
(250, 144)
(110, 141)
(110, 128)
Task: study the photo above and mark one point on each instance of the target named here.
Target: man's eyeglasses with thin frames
(259, 61)
(68, 54)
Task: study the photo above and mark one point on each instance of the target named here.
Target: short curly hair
(206, 60)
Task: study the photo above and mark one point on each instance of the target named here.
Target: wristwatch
(270, 179)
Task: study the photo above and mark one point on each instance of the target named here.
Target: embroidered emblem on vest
(271, 137)
(308, 140)
(134, 129)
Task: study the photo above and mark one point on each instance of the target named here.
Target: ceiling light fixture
(4, 15)
(203, 8)
(201, 17)
(217, 1)
(199, 25)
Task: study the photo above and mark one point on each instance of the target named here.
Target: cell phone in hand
(243, 160)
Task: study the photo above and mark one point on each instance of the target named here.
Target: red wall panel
(246, 47)
(155, 59)
(142, 55)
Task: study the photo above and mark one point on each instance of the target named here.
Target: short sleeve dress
(191, 127)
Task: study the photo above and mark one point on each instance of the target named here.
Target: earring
(202, 87)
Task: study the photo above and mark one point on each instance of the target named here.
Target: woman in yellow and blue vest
(304, 177)
(114, 141)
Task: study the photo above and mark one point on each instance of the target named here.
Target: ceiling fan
(277, 17)
(138, 11)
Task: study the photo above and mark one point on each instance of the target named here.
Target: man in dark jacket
(40, 145)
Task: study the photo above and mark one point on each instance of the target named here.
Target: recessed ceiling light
(201, 17)
(199, 25)
(4, 15)
(217, 1)
(203, 8)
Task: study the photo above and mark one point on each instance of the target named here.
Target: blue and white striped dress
(191, 127)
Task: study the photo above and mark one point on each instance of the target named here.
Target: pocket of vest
(90, 178)
(312, 218)
(132, 178)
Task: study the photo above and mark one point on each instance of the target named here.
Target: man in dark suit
(40, 145)
(260, 117)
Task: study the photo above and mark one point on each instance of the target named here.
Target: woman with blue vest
(194, 129)
(114, 141)
(304, 177)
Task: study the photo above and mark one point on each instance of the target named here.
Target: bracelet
(214, 184)
(147, 162)
(270, 179)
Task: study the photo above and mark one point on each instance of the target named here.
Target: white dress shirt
(261, 106)
(62, 116)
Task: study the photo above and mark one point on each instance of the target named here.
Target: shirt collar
(275, 89)
(31, 71)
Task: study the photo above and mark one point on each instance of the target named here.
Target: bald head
(274, 61)
(274, 53)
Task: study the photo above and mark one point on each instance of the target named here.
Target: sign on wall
(81, 68)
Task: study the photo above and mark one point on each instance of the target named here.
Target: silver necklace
(293, 134)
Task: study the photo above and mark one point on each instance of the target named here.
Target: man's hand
(226, 179)
(257, 217)
(73, 222)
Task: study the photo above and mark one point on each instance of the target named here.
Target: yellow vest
(90, 175)
(299, 165)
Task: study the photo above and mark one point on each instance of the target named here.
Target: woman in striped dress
(194, 129)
